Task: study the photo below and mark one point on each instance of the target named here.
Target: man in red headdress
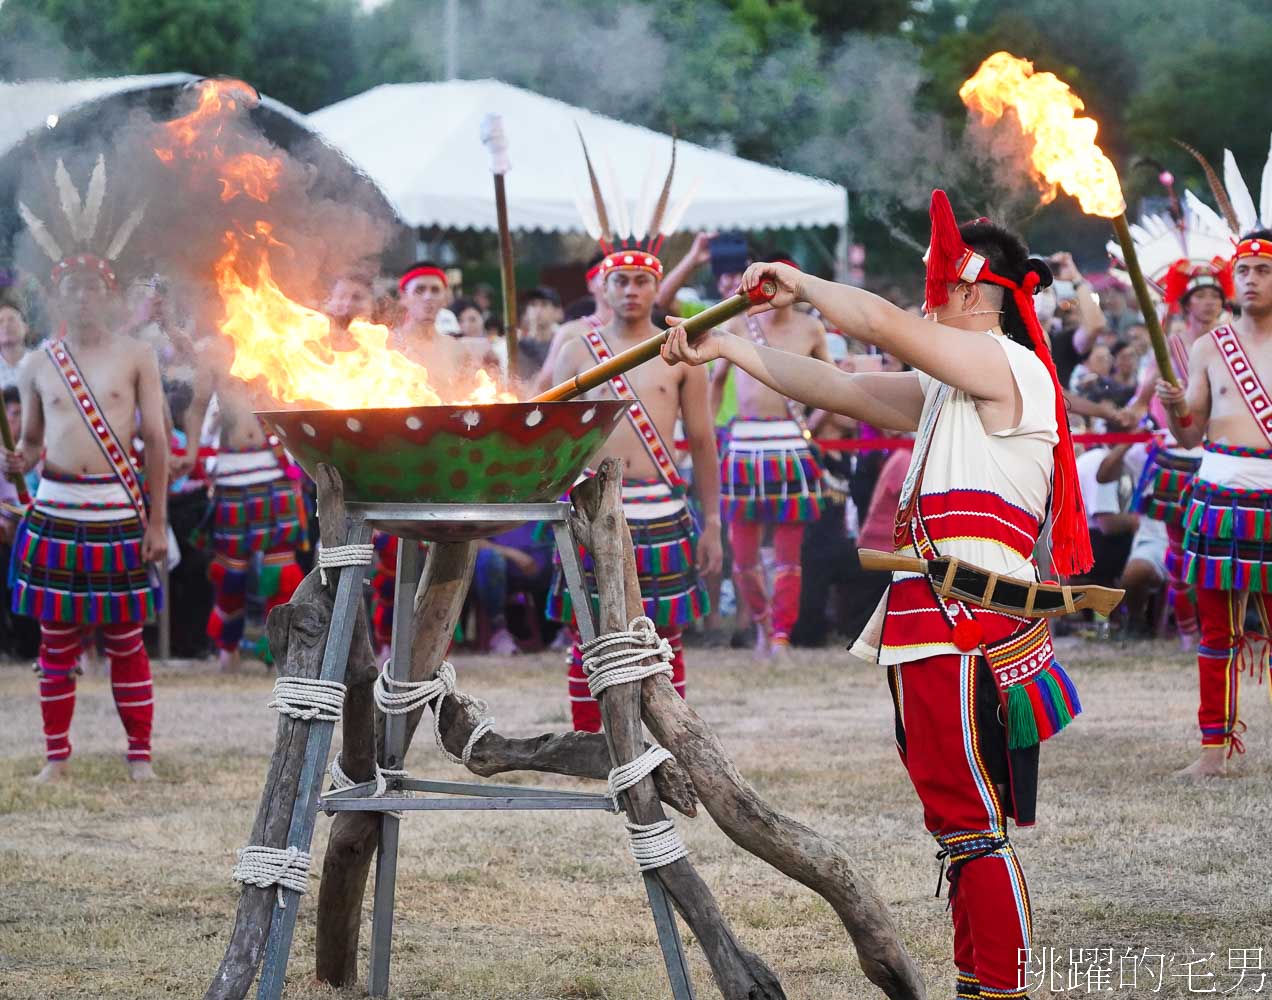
(1227, 516)
(83, 552)
(671, 556)
(975, 690)
(1198, 290)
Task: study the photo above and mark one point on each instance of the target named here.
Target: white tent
(420, 142)
(34, 104)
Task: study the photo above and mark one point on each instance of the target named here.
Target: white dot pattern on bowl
(309, 429)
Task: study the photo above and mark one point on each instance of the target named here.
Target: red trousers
(280, 576)
(744, 537)
(942, 749)
(1178, 590)
(129, 682)
(586, 710)
(1222, 655)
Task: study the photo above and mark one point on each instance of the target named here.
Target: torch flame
(1064, 150)
(279, 343)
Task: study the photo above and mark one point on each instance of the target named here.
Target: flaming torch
(1064, 155)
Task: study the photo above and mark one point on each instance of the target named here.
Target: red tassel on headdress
(944, 252)
(1070, 537)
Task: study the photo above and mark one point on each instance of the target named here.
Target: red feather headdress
(950, 260)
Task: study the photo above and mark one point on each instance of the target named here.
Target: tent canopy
(420, 142)
(36, 104)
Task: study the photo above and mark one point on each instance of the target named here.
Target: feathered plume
(93, 201)
(1216, 186)
(602, 217)
(40, 233)
(1247, 217)
(69, 197)
(1265, 193)
(124, 233)
(660, 209)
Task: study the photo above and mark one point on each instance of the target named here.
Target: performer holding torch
(975, 690)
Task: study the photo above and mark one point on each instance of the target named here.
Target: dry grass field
(110, 890)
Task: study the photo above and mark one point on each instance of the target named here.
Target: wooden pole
(496, 143)
(1147, 307)
(19, 483)
(648, 349)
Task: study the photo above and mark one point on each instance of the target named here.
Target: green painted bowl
(494, 453)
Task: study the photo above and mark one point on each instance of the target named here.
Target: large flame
(278, 342)
(1064, 151)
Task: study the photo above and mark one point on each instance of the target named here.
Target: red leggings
(586, 710)
(1222, 655)
(129, 682)
(1178, 591)
(744, 537)
(962, 809)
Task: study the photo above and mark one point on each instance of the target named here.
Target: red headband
(787, 261)
(84, 262)
(422, 272)
(950, 260)
(1254, 247)
(592, 272)
(631, 260)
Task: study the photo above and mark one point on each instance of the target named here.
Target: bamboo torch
(1065, 154)
(646, 350)
(496, 143)
(6, 434)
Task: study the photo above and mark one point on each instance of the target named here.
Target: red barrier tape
(892, 443)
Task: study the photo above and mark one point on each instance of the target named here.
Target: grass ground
(110, 890)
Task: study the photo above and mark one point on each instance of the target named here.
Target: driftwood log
(789, 846)
(353, 840)
(297, 639)
(597, 520)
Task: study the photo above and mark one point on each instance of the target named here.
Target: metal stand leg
(409, 567)
(659, 902)
(344, 614)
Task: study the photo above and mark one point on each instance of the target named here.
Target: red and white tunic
(977, 495)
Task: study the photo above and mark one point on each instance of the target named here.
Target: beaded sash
(636, 414)
(1257, 400)
(97, 424)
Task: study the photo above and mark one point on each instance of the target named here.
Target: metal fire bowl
(498, 453)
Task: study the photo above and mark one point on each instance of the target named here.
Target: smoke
(200, 189)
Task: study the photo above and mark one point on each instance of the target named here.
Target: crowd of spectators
(1099, 341)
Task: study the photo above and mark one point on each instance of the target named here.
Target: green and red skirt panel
(81, 572)
(775, 479)
(262, 517)
(1228, 538)
(1161, 489)
(671, 591)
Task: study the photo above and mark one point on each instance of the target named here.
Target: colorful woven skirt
(262, 517)
(80, 572)
(666, 544)
(1163, 484)
(769, 474)
(1228, 537)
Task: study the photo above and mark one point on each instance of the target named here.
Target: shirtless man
(1226, 548)
(256, 508)
(423, 293)
(769, 474)
(351, 298)
(653, 493)
(83, 551)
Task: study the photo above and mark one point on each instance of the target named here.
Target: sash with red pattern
(640, 421)
(1257, 400)
(97, 424)
(793, 409)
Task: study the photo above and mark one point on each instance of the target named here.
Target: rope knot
(625, 657)
(394, 697)
(654, 845)
(343, 555)
(308, 699)
(286, 868)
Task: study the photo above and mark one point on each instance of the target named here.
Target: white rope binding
(632, 773)
(610, 660)
(308, 698)
(340, 780)
(286, 868)
(395, 697)
(339, 556)
(654, 845)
